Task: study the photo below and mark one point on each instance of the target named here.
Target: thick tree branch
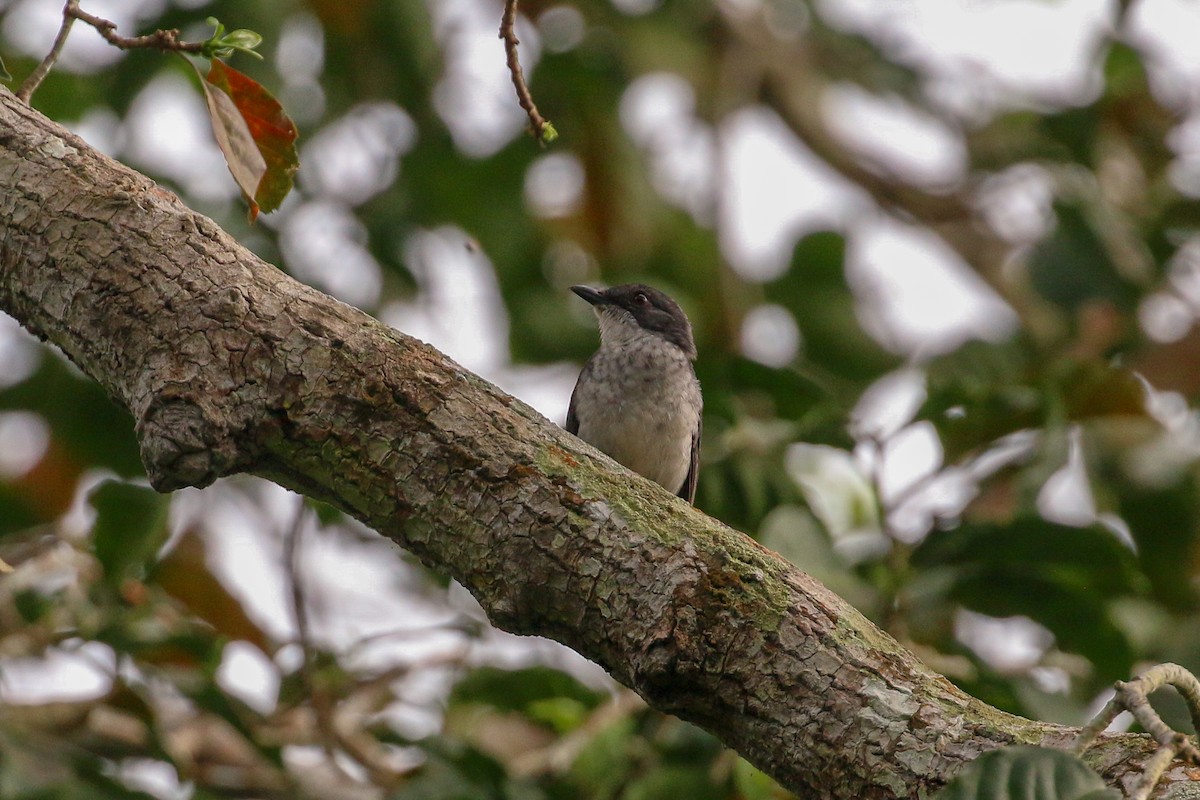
(228, 365)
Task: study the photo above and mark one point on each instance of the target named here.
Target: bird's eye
(641, 299)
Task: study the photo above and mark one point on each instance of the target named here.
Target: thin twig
(542, 129)
(166, 40)
(35, 78)
(333, 738)
(1133, 696)
(1090, 732)
(316, 696)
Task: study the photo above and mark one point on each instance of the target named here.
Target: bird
(637, 398)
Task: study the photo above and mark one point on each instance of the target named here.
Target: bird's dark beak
(594, 296)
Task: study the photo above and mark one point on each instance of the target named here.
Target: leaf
(86, 422)
(183, 573)
(674, 782)
(1023, 772)
(1091, 556)
(130, 527)
(605, 763)
(1092, 389)
(754, 784)
(1062, 577)
(223, 45)
(4, 75)
(816, 291)
(1072, 266)
(522, 689)
(454, 771)
(256, 136)
(983, 391)
(1163, 522)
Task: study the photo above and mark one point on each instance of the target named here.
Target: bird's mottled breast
(641, 407)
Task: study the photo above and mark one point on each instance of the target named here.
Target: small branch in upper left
(164, 40)
(541, 128)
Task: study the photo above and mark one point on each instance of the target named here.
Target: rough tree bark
(228, 365)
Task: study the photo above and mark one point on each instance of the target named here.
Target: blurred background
(943, 267)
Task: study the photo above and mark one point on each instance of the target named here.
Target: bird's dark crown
(652, 309)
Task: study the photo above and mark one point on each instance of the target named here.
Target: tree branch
(165, 40)
(543, 131)
(229, 365)
(35, 78)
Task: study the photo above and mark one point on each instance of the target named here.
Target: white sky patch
(458, 308)
(72, 671)
(917, 295)
(1167, 29)
(775, 191)
(325, 244)
(1008, 644)
(31, 25)
(554, 185)
(158, 778)
(19, 353)
(546, 388)
(659, 113)
(562, 28)
(168, 132)
(357, 156)
(102, 129)
(909, 142)
(249, 675)
(475, 96)
(1027, 48)
(1016, 202)
(1066, 497)
(770, 335)
(24, 437)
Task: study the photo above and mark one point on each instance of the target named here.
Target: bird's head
(632, 310)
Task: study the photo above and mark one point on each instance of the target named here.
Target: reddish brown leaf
(256, 136)
(49, 487)
(184, 574)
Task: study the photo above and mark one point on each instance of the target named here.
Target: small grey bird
(637, 398)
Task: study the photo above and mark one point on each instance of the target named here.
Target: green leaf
(4, 76)
(522, 690)
(1022, 772)
(816, 291)
(130, 528)
(1059, 576)
(606, 761)
(1071, 266)
(1164, 524)
(673, 783)
(984, 391)
(454, 771)
(223, 45)
(754, 784)
(1091, 557)
(86, 422)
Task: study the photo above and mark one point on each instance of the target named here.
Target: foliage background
(945, 310)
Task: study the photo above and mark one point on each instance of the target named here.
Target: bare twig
(541, 127)
(1133, 696)
(165, 40)
(35, 78)
(333, 737)
(322, 709)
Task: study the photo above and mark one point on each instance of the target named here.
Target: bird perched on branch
(637, 398)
